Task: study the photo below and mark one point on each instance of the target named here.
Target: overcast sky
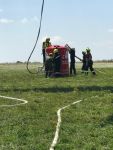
(80, 23)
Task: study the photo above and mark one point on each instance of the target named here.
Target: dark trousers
(44, 57)
(57, 67)
(72, 68)
(90, 66)
(48, 73)
(83, 67)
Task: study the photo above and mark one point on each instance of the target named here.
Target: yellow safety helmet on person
(55, 50)
(88, 49)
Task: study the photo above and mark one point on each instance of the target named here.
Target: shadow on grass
(108, 120)
(41, 89)
(95, 88)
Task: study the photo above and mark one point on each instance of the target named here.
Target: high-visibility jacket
(46, 44)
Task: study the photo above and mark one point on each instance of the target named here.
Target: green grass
(85, 126)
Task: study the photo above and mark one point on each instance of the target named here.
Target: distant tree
(19, 62)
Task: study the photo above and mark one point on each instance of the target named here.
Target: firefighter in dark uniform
(72, 61)
(89, 62)
(49, 66)
(56, 61)
(45, 44)
(84, 62)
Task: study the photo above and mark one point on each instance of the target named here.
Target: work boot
(93, 72)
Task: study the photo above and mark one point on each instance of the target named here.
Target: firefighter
(56, 61)
(45, 44)
(84, 62)
(89, 62)
(49, 66)
(72, 61)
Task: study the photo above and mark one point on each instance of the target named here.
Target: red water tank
(64, 69)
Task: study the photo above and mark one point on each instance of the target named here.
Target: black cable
(27, 66)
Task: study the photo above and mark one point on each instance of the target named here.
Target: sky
(79, 23)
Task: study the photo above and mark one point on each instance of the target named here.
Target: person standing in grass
(83, 69)
(56, 61)
(89, 62)
(72, 61)
(49, 66)
(45, 44)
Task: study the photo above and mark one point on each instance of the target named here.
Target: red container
(64, 69)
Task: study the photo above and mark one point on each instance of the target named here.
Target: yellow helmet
(88, 49)
(55, 50)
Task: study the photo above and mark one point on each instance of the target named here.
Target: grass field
(87, 125)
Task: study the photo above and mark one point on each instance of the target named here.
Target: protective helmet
(87, 49)
(73, 49)
(55, 50)
(83, 52)
(47, 39)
